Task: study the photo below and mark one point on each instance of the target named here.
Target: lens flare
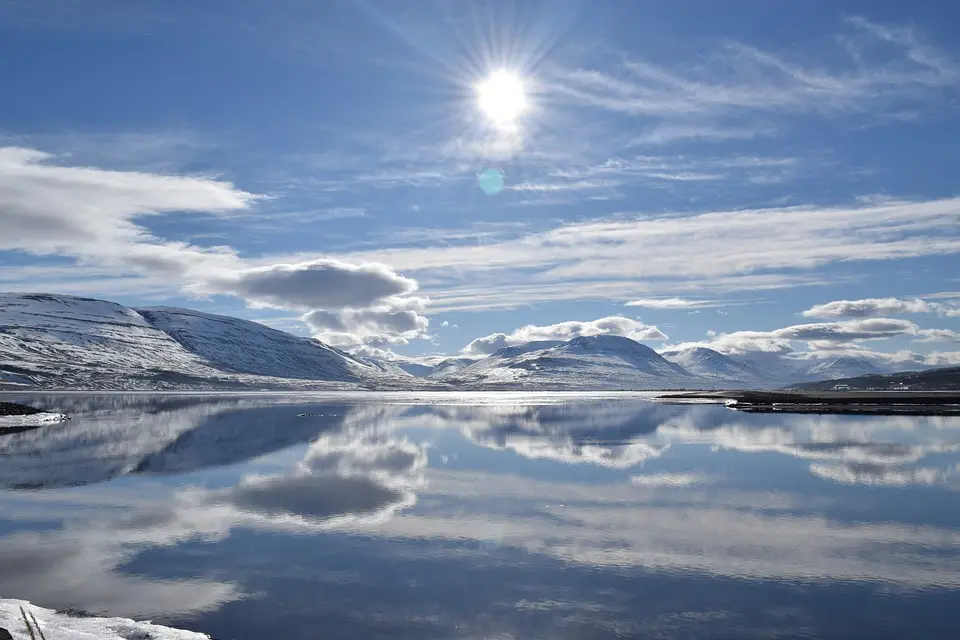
(491, 181)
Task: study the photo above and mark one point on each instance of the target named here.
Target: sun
(501, 98)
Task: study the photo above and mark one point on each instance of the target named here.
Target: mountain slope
(66, 342)
(75, 342)
(243, 346)
(837, 368)
(448, 366)
(714, 365)
(587, 362)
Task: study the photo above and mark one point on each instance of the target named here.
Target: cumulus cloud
(378, 326)
(872, 307)
(488, 344)
(562, 331)
(318, 284)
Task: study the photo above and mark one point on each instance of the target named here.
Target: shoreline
(16, 418)
(915, 403)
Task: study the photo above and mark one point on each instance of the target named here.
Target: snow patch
(56, 626)
(34, 420)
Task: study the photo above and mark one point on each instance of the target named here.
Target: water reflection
(464, 521)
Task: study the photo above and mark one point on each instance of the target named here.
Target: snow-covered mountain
(448, 366)
(713, 365)
(243, 346)
(590, 362)
(838, 368)
(66, 342)
(767, 370)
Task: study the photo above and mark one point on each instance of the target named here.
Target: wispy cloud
(740, 79)
(664, 134)
(575, 185)
(642, 255)
(674, 303)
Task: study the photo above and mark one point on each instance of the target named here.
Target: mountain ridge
(50, 341)
(71, 342)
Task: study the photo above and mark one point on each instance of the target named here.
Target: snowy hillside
(243, 346)
(594, 362)
(448, 366)
(713, 365)
(767, 370)
(75, 342)
(65, 342)
(838, 368)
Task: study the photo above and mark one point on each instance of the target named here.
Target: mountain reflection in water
(498, 516)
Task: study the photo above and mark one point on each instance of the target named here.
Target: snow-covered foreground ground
(61, 627)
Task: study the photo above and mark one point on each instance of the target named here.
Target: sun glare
(501, 98)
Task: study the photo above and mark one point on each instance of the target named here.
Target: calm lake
(483, 516)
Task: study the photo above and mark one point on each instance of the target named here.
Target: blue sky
(729, 166)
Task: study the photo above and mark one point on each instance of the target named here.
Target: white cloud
(704, 254)
(871, 307)
(740, 81)
(667, 479)
(847, 331)
(341, 480)
(682, 131)
(934, 359)
(91, 214)
(824, 336)
(743, 535)
(673, 303)
(374, 326)
(562, 331)
(878, 475)
(319, 284)
(938, 335)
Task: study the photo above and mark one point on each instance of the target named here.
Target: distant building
(841, 387)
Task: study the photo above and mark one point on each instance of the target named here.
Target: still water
(483, 516)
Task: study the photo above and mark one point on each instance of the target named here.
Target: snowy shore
(35, 420)
(56, 626)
